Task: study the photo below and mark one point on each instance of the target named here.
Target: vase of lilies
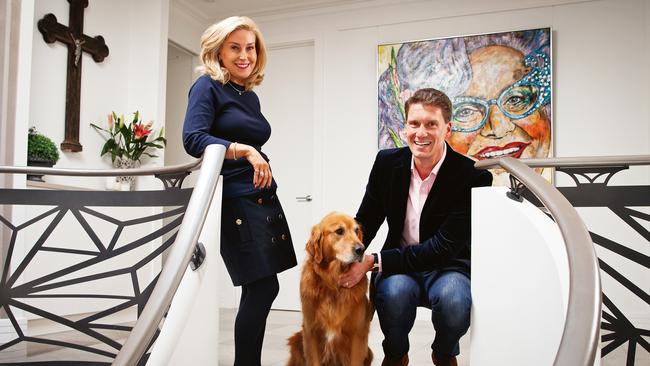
(127, 143)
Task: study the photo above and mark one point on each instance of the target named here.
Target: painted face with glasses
(502, 111)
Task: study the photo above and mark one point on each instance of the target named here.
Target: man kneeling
(423, 192)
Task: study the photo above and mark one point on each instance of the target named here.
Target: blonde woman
(223, 109)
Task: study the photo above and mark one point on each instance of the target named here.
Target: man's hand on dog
(356, 272)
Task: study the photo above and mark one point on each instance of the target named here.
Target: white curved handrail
(102, 172)
(177, 261)
(580, 338)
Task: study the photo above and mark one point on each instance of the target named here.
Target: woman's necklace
(240, 92)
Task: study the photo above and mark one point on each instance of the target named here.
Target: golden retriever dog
(335, 320)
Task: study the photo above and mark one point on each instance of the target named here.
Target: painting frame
(500, 84)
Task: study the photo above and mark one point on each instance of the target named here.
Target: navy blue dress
(255, 238)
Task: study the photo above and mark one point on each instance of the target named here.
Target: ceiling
(207, 11)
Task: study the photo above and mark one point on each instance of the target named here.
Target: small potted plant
(41, 152)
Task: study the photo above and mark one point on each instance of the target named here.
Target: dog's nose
(358, 249)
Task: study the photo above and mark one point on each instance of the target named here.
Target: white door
(287, 99)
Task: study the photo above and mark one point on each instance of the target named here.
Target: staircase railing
(152, 298)
(580, 339)
(177, 261)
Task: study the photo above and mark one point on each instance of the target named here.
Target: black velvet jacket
(445, 226)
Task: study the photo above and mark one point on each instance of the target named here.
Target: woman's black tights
(250, 323)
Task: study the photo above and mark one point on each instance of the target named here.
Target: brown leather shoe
(404, 361)
(443, 362)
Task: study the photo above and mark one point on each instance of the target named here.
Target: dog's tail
(297, 356)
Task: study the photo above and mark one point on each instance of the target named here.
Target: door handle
(306, 198)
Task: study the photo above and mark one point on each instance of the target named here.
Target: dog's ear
(360, 231)
(313, 245)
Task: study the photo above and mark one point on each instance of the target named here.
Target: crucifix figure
(77, 43)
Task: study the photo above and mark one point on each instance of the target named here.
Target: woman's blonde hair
(213, 39)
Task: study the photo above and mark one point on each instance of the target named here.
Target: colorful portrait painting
(499, 84)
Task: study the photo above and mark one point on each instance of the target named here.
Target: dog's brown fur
(335, 320)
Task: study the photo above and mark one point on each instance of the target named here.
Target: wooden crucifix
(77, 43)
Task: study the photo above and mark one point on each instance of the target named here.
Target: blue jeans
(448, 296)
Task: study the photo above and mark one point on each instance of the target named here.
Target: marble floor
(282, 324)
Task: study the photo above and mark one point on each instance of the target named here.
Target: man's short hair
(431, 97)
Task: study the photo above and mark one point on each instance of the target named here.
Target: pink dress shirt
(418, 191)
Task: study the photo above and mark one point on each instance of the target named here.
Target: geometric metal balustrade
(624, 202)
(593, 190)
(106, 259)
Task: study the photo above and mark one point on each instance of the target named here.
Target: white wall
(184, 29)
(507, 307)
(181, 65)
